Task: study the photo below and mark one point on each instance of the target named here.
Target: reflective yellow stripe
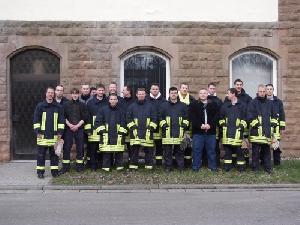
(100, 128)
(244, 123)
(234, 155)
(106, 169)
(54, 167)
(131, 124)
(172, 141)
(87, 126)
(187, 157)
(181, 131)
(153, 125)
(105, 139)
(111, 148)
(237, 122)
(222, 122)
(61, 126)
(43, 126)
(168, 129)
(135, 133)
(55, 117)
(162, 123)
(120, 168)
(228, 161)
(36, 125)
(142, 142)
(79, 161)
(282, 123)
(122, 130)
(158, 157)
(66, 161)
(40, 167)
(253, 123)
(133, 167)
(231, 141)
(149, 167)
(224, 132)
(237, 134)
(119, 140)
(186, 122)
(240, 162)
(46, 142)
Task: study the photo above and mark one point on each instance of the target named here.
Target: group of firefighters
(179, 130)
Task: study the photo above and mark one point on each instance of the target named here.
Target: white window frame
(167, 60)
(274, 60)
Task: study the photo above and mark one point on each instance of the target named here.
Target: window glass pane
(253, 69)
(141, 70)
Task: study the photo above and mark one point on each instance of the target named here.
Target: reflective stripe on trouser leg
(41, 153)
(148, 157)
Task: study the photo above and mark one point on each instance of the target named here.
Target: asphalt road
(240, 207)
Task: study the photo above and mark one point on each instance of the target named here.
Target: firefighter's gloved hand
(275, 143)
(245, 143)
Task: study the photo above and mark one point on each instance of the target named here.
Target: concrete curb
(139, 187)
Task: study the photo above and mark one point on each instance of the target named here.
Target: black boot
(65, 169)
(40, 175)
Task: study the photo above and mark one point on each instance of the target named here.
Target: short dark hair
(49, 87)
(233, 91)
(173, 89)
(212, 83)
(155, 84)
(93, 88)
(238, 80)
(270, 85)
(140, 89)
(129, 88)
(59, 85)
(74, 91)
(100, 86)
(183, 84)
(113, 94)
(113, 82)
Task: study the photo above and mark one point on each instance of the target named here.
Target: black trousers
(95, 156)
(135, 149)
(265, 149)
(277, 156)
(229, 160)
(169, 150)
(79, 141)
(158, 151)
(110, 158)
(41, 159)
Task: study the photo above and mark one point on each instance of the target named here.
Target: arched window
(142, 68)
(31, 71)
(253, 68)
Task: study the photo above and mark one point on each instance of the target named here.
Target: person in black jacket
(233, 123)
(94, 105)
(59, 95)
(278, 105)
(203, 115)
(173, 120)
(212, 95)
(156, 98)
(262, 118)
(186, 98)
(75, 113)
(141, 121)
(48, 125)
(110, 123)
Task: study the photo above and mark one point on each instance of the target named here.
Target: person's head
(184, 88)
(154, 90)
(112, 87)
(141, 94)
(203, 94)
(127, 91)
(270, 89)
(261, 91)
(238, 84)
(75, 94)
(232, 94)
(113, 99)
(85, 89)
(211, 88)
(100, 90)
(59, 91)
(49, 94)
(93, 91)
(173, 94)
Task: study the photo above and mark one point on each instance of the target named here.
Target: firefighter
(94, 105)
(185, 97)
(233, 123)
(75, 113)
(278, 105)
(157, 99)
(244, 98)
(48, 124)
(128, 99)
(262, 118)
(110, 123)
(173, 120)
(141, 121)
(212, 95)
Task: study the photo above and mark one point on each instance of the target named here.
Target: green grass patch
(288, 172)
